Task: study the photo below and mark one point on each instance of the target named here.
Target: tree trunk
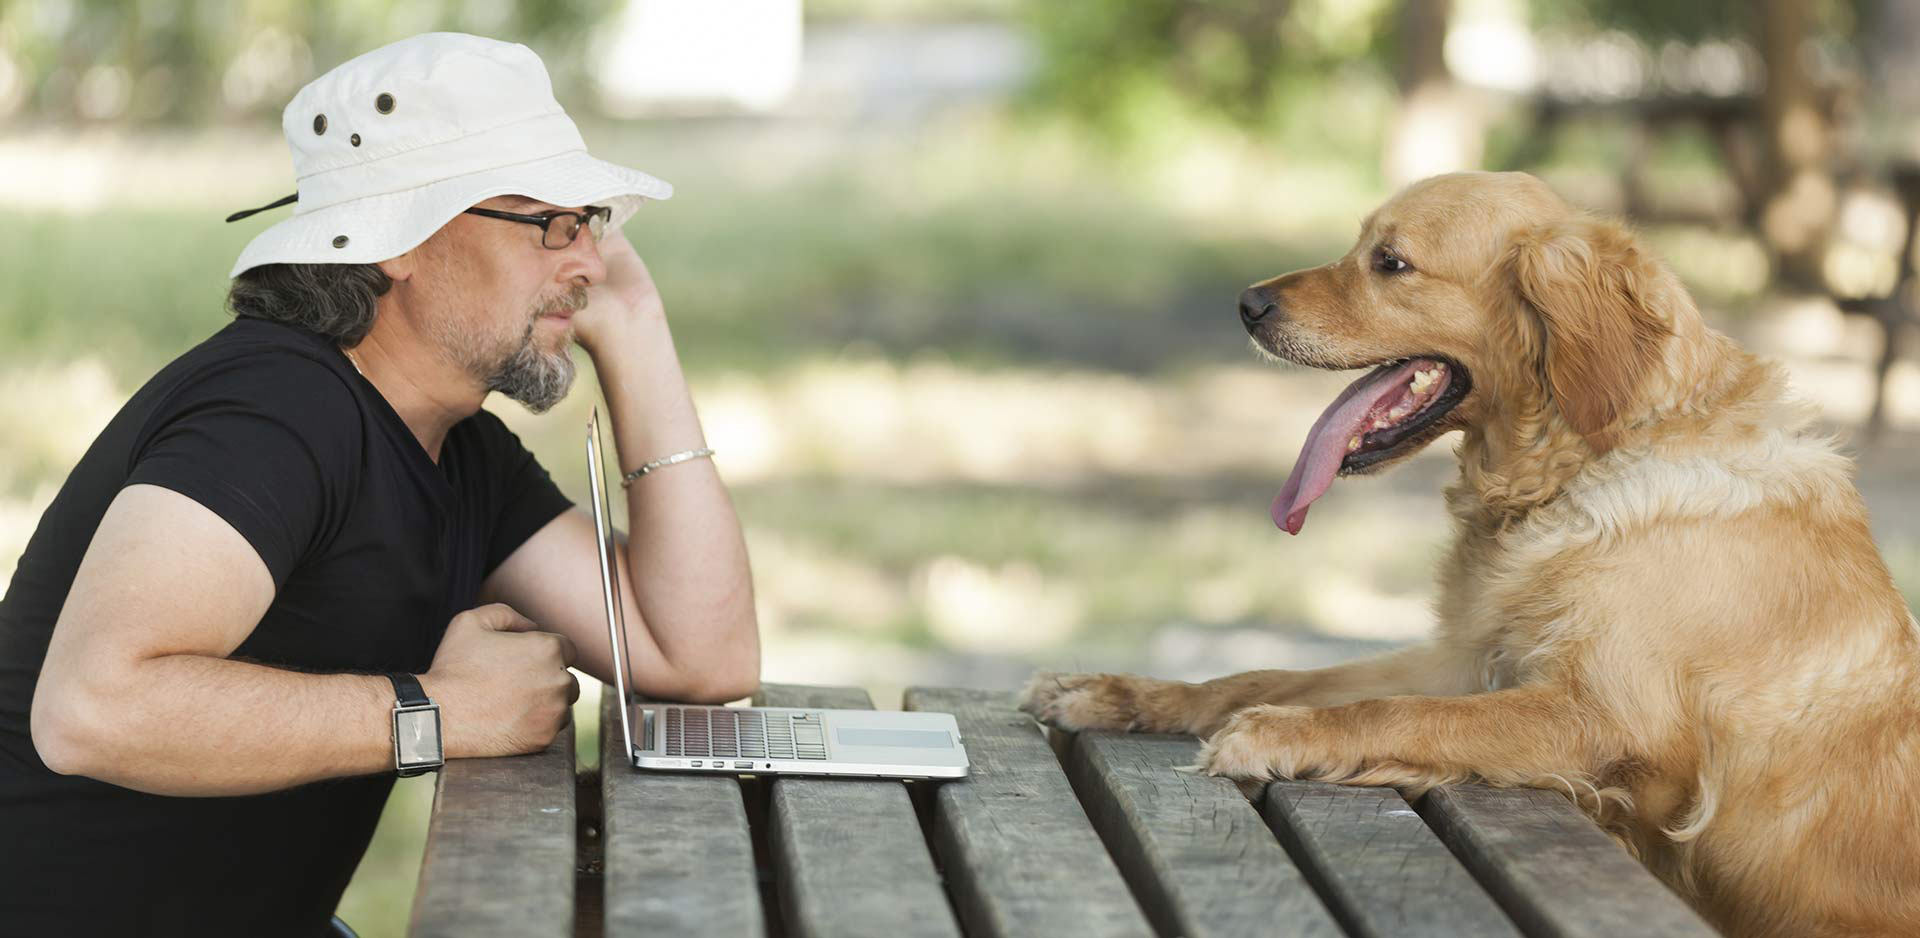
(1800, 192)
(1438, 128)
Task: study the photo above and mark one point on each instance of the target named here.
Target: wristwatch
(416, 728)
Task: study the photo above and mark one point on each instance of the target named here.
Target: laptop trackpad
(910, 739)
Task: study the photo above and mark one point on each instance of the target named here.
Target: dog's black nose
(1255, 306)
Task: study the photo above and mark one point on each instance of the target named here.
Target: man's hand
(502, 685)
(625, 296)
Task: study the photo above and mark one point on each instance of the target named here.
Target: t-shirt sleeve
(525, 495)
(270, 443)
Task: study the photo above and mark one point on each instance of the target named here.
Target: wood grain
(679, 854)
(1553, 870)
(500, 848)
(1198, 856)
(1378, 864)
(850, 858)
(1021, 857)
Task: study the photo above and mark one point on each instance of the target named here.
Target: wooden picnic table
(1087, 835)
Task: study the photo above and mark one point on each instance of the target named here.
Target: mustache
(574, 301)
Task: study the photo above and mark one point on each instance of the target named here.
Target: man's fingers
(501, 617)
(567, 652)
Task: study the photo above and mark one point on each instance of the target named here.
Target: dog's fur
(1662, 592)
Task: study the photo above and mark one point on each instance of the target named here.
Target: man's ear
(1586, 293)
(398, 268)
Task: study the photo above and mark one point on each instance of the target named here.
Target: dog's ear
(1590, 319)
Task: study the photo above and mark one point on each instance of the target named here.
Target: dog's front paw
(1257, 745)
(1123, 702)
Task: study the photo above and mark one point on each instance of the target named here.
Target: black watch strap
(407, 689)
(416, 728)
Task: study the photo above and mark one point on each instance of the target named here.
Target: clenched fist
(502, 684)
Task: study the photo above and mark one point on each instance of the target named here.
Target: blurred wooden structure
(1730, 122)
(1734, 123)
(1893, 313)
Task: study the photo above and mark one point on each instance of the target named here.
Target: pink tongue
(1327, 442)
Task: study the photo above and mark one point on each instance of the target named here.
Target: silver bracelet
(662, 463)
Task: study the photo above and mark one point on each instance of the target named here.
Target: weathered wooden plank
(679, 855)
(1020, 855)
(1377, 863)
(1555, 872)
(817, 696)
(500, 847)
(1198, 856)
(849, 856)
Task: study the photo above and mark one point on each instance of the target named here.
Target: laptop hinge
(646, 730)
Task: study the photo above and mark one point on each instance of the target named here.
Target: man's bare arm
(686, 587)
(555, 578)
(685, 552)
(137, 689)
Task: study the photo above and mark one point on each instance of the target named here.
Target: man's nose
(1257, 306)
(586, 261)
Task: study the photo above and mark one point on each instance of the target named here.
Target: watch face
(416, 736)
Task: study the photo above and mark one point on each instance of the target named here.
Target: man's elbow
(64, 730)
(714, 689)
(734, 681)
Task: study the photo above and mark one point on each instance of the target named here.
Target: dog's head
(1474, 298)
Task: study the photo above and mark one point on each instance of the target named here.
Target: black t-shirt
(373, 548)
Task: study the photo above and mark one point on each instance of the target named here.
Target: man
(307, 521)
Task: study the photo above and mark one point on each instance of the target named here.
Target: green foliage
(198, 60)
(1122, 65)
(1692, 21)
(908, 10)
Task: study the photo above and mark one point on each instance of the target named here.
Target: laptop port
(743, 765)
(696, 763)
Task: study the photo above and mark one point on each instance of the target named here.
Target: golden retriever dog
(1662, 594)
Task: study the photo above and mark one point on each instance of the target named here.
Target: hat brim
(378, 227)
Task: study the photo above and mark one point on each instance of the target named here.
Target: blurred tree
(1437, 128)
(1798, 193)
(948, 11)
(1120, 63)
(147, 61)
(1111, 61)
(1895, 72)
(1691, 21)
(1797, 133)
(1099, 57)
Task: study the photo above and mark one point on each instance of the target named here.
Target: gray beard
(535, 378)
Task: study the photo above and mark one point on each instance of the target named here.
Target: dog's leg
(1527, 735)
(1143, 704)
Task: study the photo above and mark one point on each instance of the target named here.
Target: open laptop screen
(609, 572)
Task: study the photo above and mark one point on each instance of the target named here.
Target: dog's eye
(1387, 262)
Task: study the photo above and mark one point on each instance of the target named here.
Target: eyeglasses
(558, 229)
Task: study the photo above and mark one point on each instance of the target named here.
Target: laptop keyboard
(742, 734)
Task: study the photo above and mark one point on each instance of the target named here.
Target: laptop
(761, 740)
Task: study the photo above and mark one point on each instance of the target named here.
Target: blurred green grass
(1126, 555)
(989, 269)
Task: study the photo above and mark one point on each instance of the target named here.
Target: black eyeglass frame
(595, 220)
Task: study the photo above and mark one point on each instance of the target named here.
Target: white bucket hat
(393, 144)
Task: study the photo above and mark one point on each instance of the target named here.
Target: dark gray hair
(334, 300)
